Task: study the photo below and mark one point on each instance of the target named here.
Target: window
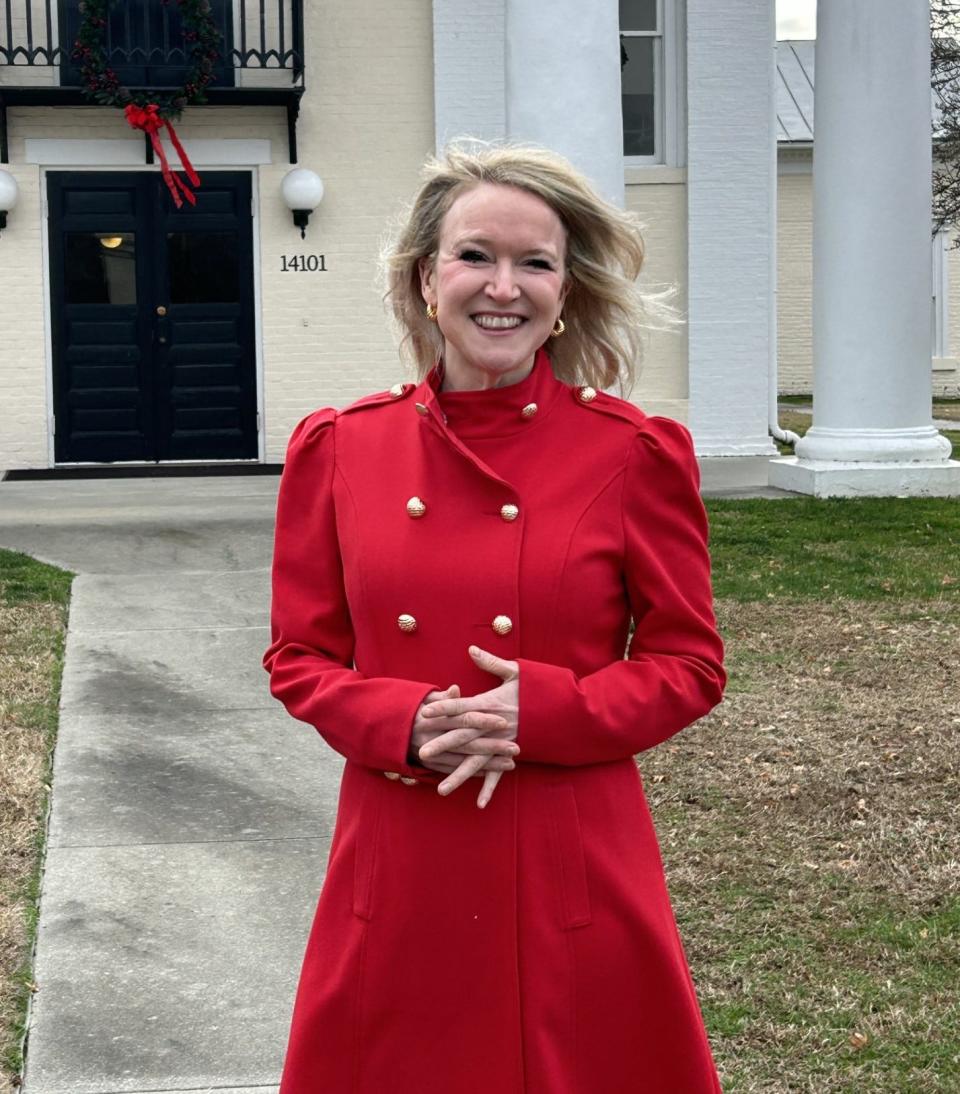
(650, 80)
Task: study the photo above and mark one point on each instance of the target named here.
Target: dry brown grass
(30, 638)
(810, 830)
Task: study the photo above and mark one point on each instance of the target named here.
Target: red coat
(528, 947)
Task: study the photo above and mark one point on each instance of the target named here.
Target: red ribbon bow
(149, 120)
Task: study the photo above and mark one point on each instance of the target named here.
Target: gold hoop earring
(432, 312)
(558, 329)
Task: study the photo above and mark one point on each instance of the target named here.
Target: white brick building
(133, 333)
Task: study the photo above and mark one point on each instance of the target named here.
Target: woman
(457, 563)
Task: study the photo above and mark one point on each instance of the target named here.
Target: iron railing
(262, 43)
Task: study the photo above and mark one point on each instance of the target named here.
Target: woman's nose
(502, 284)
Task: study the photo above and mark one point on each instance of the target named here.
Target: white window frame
(669, 54)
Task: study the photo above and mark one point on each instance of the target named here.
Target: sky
(796, 18)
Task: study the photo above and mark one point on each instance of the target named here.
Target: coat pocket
(365, 860)
(569, 860)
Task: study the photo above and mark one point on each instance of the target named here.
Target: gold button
(392, 775)
(421, 410)
(503, 624)
(407, 623)
(407, 781)
(588, 394)
(529, 410)
(509, 512)
(416, 507)
(396, 391)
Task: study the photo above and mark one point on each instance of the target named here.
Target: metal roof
(795, 90)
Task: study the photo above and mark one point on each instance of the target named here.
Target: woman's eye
(473, 256)
(540, 263)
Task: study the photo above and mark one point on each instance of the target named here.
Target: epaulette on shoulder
(608, 404)
(394, 394)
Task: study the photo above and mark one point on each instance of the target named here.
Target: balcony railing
(262, 52)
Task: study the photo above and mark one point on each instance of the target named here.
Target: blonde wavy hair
(606, 312)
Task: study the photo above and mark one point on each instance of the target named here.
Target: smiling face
(498, 282)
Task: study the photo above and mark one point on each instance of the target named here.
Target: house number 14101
(304, 263)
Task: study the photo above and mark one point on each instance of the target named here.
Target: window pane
(203, 267)
(638, 14)
(638, 81)
(100, 268)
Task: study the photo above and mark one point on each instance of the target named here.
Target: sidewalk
(191, 816)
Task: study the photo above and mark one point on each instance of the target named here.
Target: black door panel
(152, 312)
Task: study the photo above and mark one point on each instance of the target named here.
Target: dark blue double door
(152, 319)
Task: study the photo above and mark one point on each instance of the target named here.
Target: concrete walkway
(191, 816)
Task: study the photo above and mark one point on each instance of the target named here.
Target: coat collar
(493, 412)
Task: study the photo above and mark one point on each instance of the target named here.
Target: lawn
(33, 612)
(810, 824)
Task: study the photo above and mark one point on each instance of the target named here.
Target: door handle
(162, 324)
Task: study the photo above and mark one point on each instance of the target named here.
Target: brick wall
(661, 204)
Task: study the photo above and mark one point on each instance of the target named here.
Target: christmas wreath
(144, 109)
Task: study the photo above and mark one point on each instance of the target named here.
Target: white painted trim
(941, 295)
(656, 173)
(56, 152)
(675, 74)
(225, 152)
(47, 322)
(258, 319)
(669, 90)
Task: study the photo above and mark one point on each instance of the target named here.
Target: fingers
(490, 780)
(489, 662)
(455, 708)
(473, 719)
(452, 692)
(450, 761)
(470, 766)
(474, 745)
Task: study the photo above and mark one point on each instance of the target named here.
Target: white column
(731, 227)
(563, 84)
(468, 70)
(872, 432)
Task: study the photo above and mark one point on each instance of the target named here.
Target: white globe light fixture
(9, 192)
(302, 191)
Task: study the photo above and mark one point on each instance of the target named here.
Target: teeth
(497, 322)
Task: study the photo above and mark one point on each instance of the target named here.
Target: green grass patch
(33, 612)
(864, 548)
(873, 1005)
(23, 580)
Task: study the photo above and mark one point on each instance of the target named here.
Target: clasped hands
(474, 735)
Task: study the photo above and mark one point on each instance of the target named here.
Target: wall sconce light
(8, 196)
(302, 190)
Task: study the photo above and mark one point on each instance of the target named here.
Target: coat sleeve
(673, 671)
(368, 719)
